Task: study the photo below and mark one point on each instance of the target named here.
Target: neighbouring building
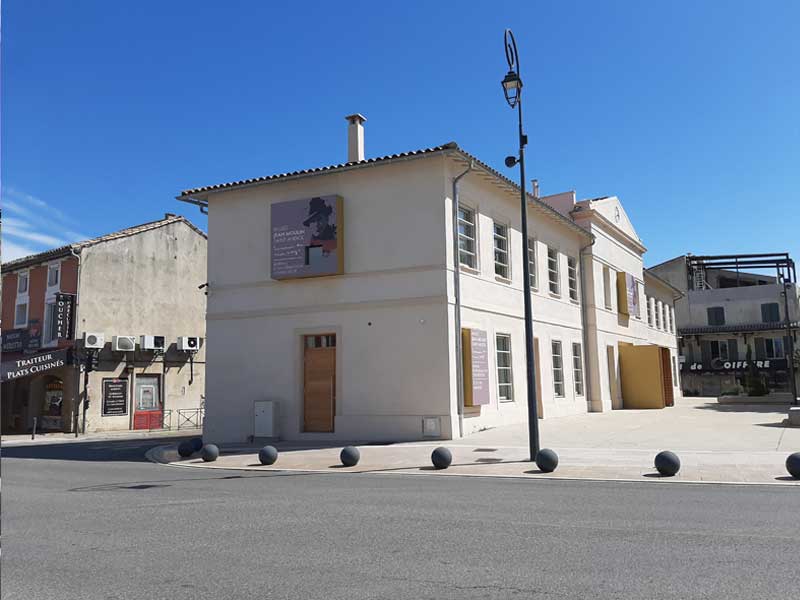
(735, 334)
(106, 334)
(332, 306)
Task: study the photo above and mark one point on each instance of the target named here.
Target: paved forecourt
(716, 443)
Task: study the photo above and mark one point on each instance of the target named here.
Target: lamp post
(789, 351)
(512, 88)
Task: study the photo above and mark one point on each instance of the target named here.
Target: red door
(148, 408)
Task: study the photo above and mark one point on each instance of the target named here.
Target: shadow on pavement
(127, 450)
(745, 408)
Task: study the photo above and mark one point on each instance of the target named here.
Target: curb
(159, 455)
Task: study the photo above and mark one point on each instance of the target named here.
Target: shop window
(466, 238)
(770, 313)
(716, 315)
(572, 276)
(532, 263)
(51, 417)
(552, 271)
(773, 348)
(501, 251)
(577, 368)
(558, 369)
(505, 386)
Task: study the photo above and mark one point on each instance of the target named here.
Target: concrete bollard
(547, 460)
(441, 457)
(667, 463)
(350, 456)
(268, 455)
(185, 449)
(209, 453)
(793, 465)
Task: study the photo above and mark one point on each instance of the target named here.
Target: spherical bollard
(185, 449)
(793, 465)
(268, 455)
(209, 453)
(546, 460)
(350, 456)
(667, 463)
(197, 444)
(441, 457)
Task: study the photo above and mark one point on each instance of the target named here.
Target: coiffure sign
(307, 238)
(32, 365)
(767, 364)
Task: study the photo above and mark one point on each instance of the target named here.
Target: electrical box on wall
(123, 343)
(152, 342)
(265, 419)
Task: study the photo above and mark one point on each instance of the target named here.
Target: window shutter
(761, 349)
(733, 350)
(705, 350)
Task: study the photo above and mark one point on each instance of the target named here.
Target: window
(774, 347)
(321, 341)
(21, 315)
(22, 283)
(572, 275)
(577, 368)
(50, 333)
(501, 251)
(532, 263)
(53, 276)
(466, 237)
(505, 386)
(607, 287)
(719, 349)
(558, 369)
(552, 271)
(671, 316)
(770, 313)
(649, 309)
(665, 308)
(716, 315)
(657, 306)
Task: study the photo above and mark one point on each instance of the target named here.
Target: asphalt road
(100, 523)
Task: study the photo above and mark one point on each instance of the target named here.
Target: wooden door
(319, 382)
(612, 377)
(666, 378)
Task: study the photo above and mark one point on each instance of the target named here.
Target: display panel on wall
(628, 294)
(475, 352)
(115, 397)
(307, 238)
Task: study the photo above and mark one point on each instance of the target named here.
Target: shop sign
(65, 306)
(306, 238)
(719, 365)
(480, 367)
(115, 397)
(33, 341)
(32, 365)
(14, 340)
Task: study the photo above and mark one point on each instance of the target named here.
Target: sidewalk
(69, 438)
(716, 443)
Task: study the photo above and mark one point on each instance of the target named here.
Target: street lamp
(512, 88)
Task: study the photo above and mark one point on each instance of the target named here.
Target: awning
(35, 364)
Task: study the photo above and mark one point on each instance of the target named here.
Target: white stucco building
(332, 295)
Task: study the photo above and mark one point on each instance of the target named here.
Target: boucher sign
(33, 365)
(719, 365)
(307, 238)
(65, 305)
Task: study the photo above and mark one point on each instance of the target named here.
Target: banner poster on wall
(307, 238)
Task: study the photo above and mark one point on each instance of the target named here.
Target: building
(733, 322)
(332, 300)
(123, 302)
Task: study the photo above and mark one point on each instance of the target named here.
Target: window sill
(470, 270)
(502, 279)
(554, 295)
(575, 302)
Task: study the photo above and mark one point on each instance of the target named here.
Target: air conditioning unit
(94, 341)
(152, 342)
(123, 343)
(188, 343)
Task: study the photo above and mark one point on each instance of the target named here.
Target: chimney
(355, 137)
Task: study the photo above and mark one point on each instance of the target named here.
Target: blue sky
(688, 111)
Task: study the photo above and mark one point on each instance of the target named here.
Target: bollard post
(33, 433)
